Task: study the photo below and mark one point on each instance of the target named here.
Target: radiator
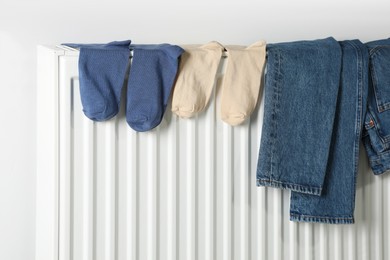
(184, 191)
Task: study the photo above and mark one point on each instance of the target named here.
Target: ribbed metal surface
(187, 190)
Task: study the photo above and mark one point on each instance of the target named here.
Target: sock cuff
(255, 53)
(173, 51)
(111, 45)
(259, 45)
(125, 43)
(211, 46)
(105, 51)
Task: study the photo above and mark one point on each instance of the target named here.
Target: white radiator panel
(185, 190)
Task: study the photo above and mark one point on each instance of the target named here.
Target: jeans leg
(337, 201)
(301, 87)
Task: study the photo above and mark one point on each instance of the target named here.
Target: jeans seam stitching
(301, 187)
(303, 216)
(277, 94)
(359, 121)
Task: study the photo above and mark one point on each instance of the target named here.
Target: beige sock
(195, 80)
(241, 82)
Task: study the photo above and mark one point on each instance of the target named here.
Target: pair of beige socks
(241, 81)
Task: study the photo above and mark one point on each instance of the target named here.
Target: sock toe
(234, 119)
(185, 112)
(143, 125)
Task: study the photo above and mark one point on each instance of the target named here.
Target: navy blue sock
(102, 71)
(152, 75)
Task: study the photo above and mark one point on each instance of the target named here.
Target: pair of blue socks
(104, 71)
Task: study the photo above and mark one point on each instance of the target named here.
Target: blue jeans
(376, 135)
(314, 150)
(301, 88)
(337, 201)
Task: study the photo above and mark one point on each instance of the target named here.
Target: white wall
(24, 24)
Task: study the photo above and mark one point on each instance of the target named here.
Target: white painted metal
(186, 190)
(47, 213)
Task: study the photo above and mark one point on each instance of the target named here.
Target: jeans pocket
(380, 73)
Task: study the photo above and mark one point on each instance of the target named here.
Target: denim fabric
(337, 201)
(301, 87)
(376, 136)
(102, 72)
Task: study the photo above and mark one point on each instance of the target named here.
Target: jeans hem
(322, 219)
(380, 164)
(381, 171)
(290, 186)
